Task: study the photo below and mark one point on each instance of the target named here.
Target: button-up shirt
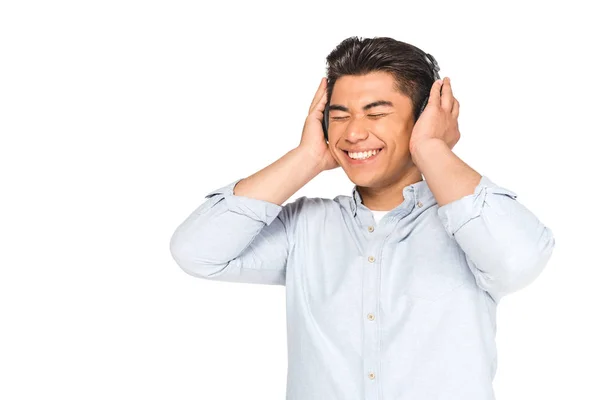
(400, 310)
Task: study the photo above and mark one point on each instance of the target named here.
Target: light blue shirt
(401, 310)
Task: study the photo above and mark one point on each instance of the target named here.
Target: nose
(356, 130)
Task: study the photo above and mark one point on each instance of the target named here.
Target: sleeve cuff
(457, 213)
(259, 210)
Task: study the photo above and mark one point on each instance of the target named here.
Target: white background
(118, 117)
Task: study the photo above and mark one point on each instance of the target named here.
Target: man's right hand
(313, 138)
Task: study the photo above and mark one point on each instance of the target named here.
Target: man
(391, 293)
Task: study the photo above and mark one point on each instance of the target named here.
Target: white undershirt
(378, 215)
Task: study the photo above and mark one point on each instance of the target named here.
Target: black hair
(408, 65)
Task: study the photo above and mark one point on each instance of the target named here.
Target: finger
(447, 96)
(319, 94)
(319, 107)
(434, 94)
(455, 108)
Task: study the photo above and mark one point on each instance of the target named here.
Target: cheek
(396, 125)
(394, 134)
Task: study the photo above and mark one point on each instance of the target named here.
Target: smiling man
(391, 292)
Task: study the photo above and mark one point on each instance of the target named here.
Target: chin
(363, 179)
(378, 178)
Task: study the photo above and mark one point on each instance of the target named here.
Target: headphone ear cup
(433, 64)
(325, 121)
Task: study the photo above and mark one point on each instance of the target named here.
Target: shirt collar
(416, 194)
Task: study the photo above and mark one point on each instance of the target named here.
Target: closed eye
(369, 115)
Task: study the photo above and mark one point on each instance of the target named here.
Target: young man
(391, 293)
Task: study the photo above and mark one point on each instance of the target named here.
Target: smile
(362, 158)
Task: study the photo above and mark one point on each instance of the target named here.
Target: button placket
(371, 329)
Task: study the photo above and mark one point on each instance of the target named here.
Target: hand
(313, 137)
(439, 119)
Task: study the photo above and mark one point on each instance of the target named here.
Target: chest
(335, 262)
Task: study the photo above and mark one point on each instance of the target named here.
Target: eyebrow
(365, 108)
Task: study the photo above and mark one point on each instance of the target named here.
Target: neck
(388, 197)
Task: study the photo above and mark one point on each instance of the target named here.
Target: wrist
(423, 145)
(311, 160)
(426, 149)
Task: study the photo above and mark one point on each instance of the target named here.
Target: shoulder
(313, 207)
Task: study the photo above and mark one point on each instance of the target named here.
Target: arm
(239, 233)
(506, 246)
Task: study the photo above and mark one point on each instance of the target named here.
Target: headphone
(433, 65)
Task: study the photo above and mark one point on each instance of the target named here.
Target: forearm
(279, 181)
(448, 177)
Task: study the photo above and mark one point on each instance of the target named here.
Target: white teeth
(363, 155)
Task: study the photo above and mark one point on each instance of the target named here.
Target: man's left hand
(439, 119)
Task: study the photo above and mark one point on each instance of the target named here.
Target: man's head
(375, 89)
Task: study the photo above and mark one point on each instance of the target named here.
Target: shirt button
(371, 229)
(419, 204)
(371, 375)
(371, 317)
(371, 259)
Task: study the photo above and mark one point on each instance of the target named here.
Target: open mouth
(363, 158)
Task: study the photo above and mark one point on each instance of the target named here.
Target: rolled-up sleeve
(505, 244)
(234, 238)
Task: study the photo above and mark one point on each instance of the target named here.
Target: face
(368, 113)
